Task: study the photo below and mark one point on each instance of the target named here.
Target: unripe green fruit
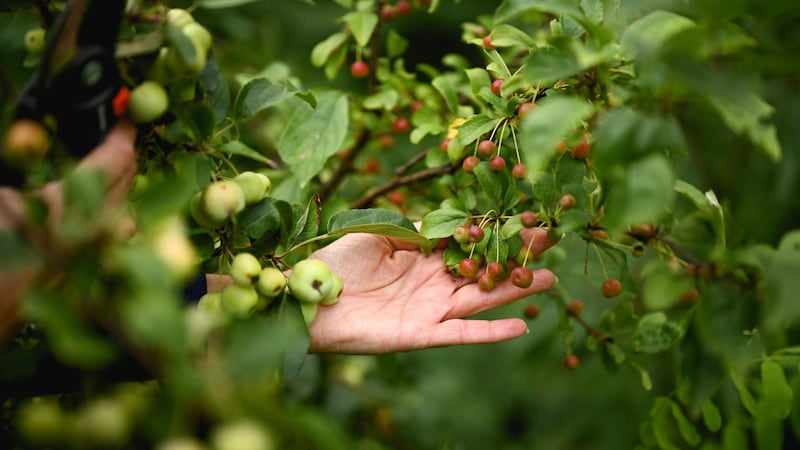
(147, 102)
(102, 423)
(243, 434)
(309, 311)
(271, 282)
(245, 269)
(239, 301)
(255, 186)
(335, 290)
(308, 280)
(181, 443)
(199, 214)
(41, 422)
(35, 40)
(222, 199)
(179, 17)
(174, 248)
(199, 35)
(178, 65)
(211, 302)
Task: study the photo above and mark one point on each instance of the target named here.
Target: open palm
(396, 298)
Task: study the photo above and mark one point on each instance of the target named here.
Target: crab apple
(445, 144)
(271, 282)
(359, 69)
(147, 102)
(468, 267)
(470, 162)
(179, 17)
(35, 40)
(531, 311)
(26, 140)
(372, 165)
(180, 443)
(199, 35)
(486, 147)
(386, 141)
(575, 307)
(519, 171)
(521, 277)
(487, 42)
(307, 280)
(41, 421)
(486, 282)
(334, 292)
(689, 296)
(242, 434)
(199, 214)
(222, 199)
(525, 108)
(497, 163)
(599, 233)
(643, 231)
(255, 186)
(397, 197)
(461, 234)
(401, 125)
(475, 233)
(388, 13)
(496, 270)
(561, 147)
(581, 150)
(567, 201)
(571, 362)
(496, 85)
(611, 288)
(245, 269)
(239, 301)
(528, 219)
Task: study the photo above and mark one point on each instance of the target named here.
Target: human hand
(396, 298)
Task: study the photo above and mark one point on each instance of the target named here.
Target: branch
(372, 194)
(346, 165)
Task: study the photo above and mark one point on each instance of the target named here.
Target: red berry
(497, 163)
(644, 231)
(468, 268)
(470, 162)
(403, 7)
(571, 362)
(388, 13)
(496, 84)
(575, 307)
(525, 108)
(496, 270)
(611, 288)
(416, 106)
(359, 69)
(461, 234)
(581, 150)
(519, 171)
(690, 296)
(445, 143)
(528, 219)
(475, 233)
(386, 140)
(401, 125)
(521, 277)
(486, 147)
(486, 282)
(487, 42)
(561, 147)
(372, 165)
(531, 311)
(567, 201)
(397, 197)
(600, 234)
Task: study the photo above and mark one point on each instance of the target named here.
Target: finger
(537, 239)
(116, 155)
(459, 332)
(472, 300)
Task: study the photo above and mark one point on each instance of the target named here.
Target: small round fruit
(575, 307)
(386, 141)
(388, 13)
(174, 248)
(470, 162)
(445, 144)
(307, 280)
(403, 7)
(359, 69)
(497, 85)
(531, 311)
(525, 108)
(255, 186)
(199, 35)
(487, 42)
(242, 434)
(599, 233)
(35, 40)
(41, 421)
(528, 219)
(461, 234)
(521, 277)
(567, 201)
(496, 270)
(179, 17)
(271, 282)
(497, 163)
(611, 288)
(147, 102)
(401, 125)
(486, 147)
(571, 362)
(372, 165)
(690, 296)
(581, 150)
(335, 291)
(485, 282)
(222, 199)
(245, 269)
(397, 197)
(26, 140)
(475, 233)
(239, 301)
(181, 443)
(199, 215)
(468, 267)
(561, 147)
(643, 231)
(519, 171)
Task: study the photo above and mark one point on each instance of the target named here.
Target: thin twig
(372, 194)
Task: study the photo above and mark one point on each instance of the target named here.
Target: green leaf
(782, 309)
(649, 34)
(767, 429)
(257, 95)
(712, 416)
(215, 4)
(376, 221)
(385, 99)
(505, 35)
(643, 194)
(307, 224)
(511, 9)
(213, 84)
(550, 64)
(478, 79)
(314, 135)
(323, 50)
(440, 223)
(655, 333)
(198, 121)
(241, 149)
(745, 395)
(686, 428)
(493, 183)
(362, 24)
(475, 127)
(447, 87)
(777, 394)
(644, 375)
(396, 44)
(259, 219)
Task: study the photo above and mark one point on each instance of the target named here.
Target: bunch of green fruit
(214, 206)
(313, 284)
